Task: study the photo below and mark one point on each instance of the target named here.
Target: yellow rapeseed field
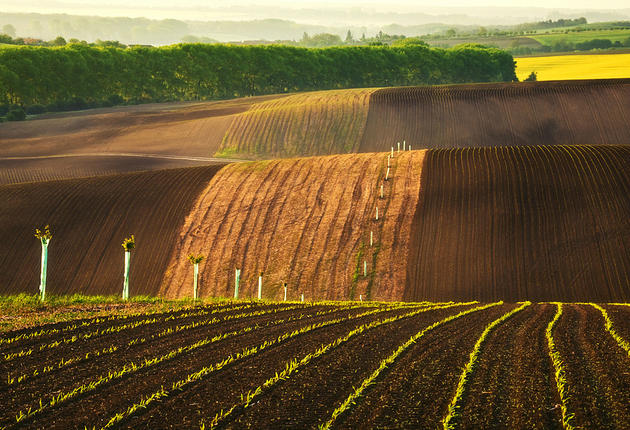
(557, 67)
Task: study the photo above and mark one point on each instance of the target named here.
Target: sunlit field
(558, 67)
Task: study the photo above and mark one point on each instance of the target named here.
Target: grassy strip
(351, 399)
(609, 326)
(450, 421)
(293, 365)
(558, 365)
(247, 352)
(139, 341)
(132, 367)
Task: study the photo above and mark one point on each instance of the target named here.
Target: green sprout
(196, 259)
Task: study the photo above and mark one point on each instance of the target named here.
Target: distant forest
(77, 76)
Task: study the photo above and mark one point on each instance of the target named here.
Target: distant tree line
(564, 45)
(76, 76)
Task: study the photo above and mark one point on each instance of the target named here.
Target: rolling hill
(592, 112)
(506, 223)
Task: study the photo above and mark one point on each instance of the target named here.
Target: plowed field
(89, 219)
(303, 221)
(523, 223)
(304, 365)
(318, 123)
(539, 113)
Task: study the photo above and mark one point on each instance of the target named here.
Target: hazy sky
(209, 10)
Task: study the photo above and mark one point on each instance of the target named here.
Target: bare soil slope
(188, 129)
(535, 223)
(15, 171)
(539, 113)
(303, 221)
(89, 219)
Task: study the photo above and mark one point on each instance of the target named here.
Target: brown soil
(95, 408)
(513, 386)
(320, 387)
(302, 221)
(89, 219)
(596, 369)
(540, 113)
(66, 379)
(415, 391)
(192, 129)
(204, 400)
(15, 171)
(522, 223)
(620, 317)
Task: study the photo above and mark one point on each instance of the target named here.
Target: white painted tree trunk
(364, 268)
(237, 280)
(125, 294)
(44, 268)
(382, 193)
(196, 280)
(410, 147)
(302, 297)
(371, 238)
(285, 293)
(260, 288)
(392, 152)
(398, 146)
(404, 144)
(360, 297)
(377, 213)
(387, 174)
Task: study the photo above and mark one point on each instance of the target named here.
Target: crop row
(64, 362)
(166, 316)
(133, 367)
(284, 374)
(112, 330)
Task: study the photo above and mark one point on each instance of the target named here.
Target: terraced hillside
(89, 219)
(535, 223)
(538, 113)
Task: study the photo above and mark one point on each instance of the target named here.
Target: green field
(577, 37)
(588, 66)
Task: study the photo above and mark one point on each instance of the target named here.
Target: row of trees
(42, 75)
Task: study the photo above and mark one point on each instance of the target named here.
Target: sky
(211, 10)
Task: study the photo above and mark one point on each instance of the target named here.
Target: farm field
(321, 123)
(506, 223)
(332, 365)
(20, 170)
(524, 114)
(536, 223)
(567, 67)
(87, 252)
(306, 221)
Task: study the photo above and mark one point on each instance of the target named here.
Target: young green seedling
(128, 245)
(44, 237)
(195, 260)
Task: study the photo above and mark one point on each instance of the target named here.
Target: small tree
(195, 260)
(44, 237)
(531, 78)
(128, 245)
